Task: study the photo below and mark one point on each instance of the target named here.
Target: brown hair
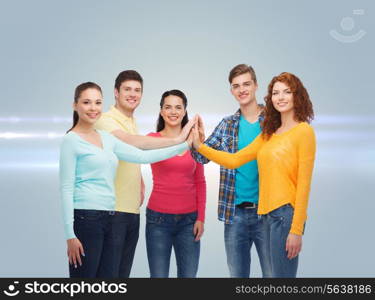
(77, 93)
(303, 109)
(242, 69)
(128, 75)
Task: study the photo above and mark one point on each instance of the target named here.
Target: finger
(70, 258)
(78, 255)
(81, 250)
(200, 121)
(199, 235)
(288, 248)
(74, 260)
(195, 229)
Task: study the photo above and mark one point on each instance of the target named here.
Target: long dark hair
(161, 124)
(77, 93)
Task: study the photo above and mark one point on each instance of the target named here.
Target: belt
(247, 205)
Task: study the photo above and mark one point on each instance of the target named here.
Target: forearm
(302, 197)
(132, 154)
(145, 142)
(225, 159)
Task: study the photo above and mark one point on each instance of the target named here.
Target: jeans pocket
(150, 219)
(193, 217)
(87, 215)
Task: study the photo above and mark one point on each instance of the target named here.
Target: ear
(116, 93)
(74, 105)
(231, 91)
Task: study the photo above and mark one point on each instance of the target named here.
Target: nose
(132, 93)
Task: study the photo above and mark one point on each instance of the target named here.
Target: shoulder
(107, 122)
(68, 141)
(305, 128)
(70, 137)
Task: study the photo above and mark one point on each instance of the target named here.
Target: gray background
(49, 47)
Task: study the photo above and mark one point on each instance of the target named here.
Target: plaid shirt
(225, 138)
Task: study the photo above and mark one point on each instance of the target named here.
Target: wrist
(178, 140)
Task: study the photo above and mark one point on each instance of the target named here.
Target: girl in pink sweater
(176, 208)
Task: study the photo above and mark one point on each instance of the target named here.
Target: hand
(196, 139)
(202, 136)
(293, 245)
(190, 138)
(142, 191)
(75, 250)
(198, 230)
(186, 130)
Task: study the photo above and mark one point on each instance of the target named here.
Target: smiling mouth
(173, 118)
(93, 115)
(131, 101)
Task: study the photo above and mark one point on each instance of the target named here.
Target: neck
(287, 119)
(128, 113)
(250, 111)
(84, 127)
(169, 131)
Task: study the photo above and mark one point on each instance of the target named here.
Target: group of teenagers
(266, 153)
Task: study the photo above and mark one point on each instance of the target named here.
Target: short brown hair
(128, 75)
(242, 69)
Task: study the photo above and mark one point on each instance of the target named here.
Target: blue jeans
(277, 225)
(93, 229)
(109, 240)
(239, 238)
(164, 231)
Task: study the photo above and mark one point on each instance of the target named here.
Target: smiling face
(243, 88)
(282, 97)
(128, 96)
(173, 111)
(89, 105)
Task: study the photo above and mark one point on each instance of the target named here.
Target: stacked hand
(196, 135)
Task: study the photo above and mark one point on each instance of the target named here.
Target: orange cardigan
(285, 164)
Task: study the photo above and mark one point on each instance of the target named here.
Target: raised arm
(132, 154)
(213, 141)
(229, 160)
(306, 157)
(140, 141)
(67, 169)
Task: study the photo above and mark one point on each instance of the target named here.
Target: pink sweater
(179, 185)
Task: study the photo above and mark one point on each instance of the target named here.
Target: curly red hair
(303, 109)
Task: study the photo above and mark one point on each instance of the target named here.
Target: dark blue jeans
(277, 225)
(239, 237)
(103, 235)
(164, 231)
(125, 228)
